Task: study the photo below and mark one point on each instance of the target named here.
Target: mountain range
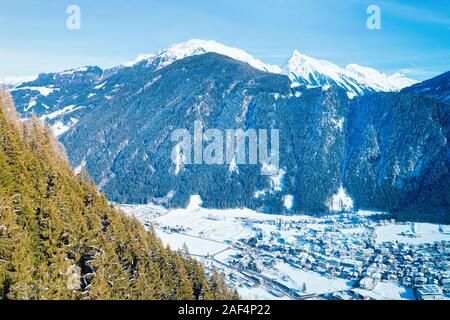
(349, 139)
(302, 70)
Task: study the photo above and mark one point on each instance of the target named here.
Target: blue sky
(414, 39)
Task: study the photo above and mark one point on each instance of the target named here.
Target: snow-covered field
(388, 291)
(416, 233)
(197, 246)
(211, 236)
(314, 282)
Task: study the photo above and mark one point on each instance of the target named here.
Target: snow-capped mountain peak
(355, 79)
(196, 47)
(311, 70)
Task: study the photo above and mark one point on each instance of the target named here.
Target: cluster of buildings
(345, 246)
(172, 229)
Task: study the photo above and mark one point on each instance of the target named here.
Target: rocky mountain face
(438, 88)
(338, 151)
(135, 136)
(57, 98)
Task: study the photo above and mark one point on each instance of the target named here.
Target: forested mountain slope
(379, 151)
(60, 239)
(397, 155)
(437, 88)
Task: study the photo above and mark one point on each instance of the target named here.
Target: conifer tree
(61, 239)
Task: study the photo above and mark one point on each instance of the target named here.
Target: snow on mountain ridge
(353, 78)
(377, 80)
(302, 69)
(196, 47)
(314, 72)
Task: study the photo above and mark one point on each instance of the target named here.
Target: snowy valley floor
(300, 257)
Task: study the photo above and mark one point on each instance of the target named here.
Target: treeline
(60, 239)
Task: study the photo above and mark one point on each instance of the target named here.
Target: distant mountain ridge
(354, 79)
(302, 70)
(438, 88)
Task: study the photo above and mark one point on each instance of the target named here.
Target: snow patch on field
(196, 246)
(415, 233)
(288, 201)
(368, 213)
(315, 283)
(195, 203)
(341, 201)
(59, 128)
(392, 291)
(219, 225)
